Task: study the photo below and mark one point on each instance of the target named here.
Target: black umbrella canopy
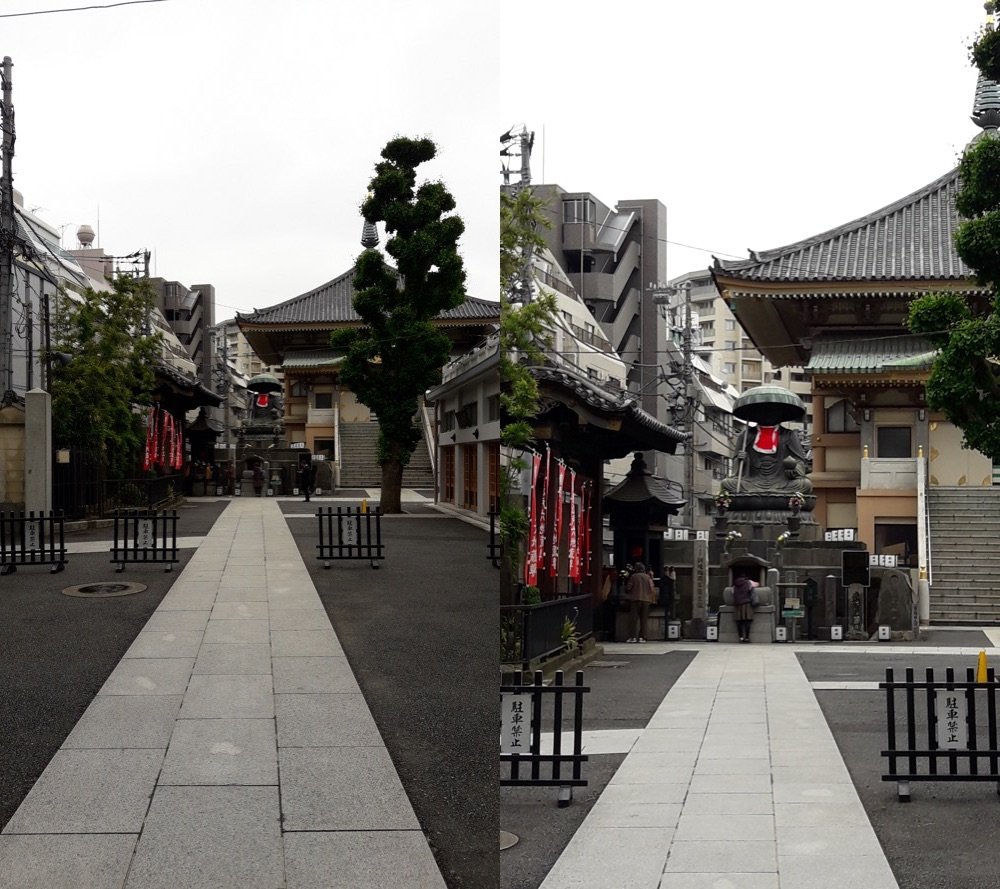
(769, 406)
(264, 383)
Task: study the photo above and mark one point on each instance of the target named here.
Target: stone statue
(772, 463)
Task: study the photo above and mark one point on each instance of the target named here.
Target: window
(731, 345)
(894, 441)
(729, 367)
(467, 415)
(492, 408)
(730, 324)
(578, 211)
(323, 401)
(448, 421)
(298, 389)
(448, 474)
(325, 446)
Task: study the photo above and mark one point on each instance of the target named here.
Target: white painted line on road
(595, 742)
(845, 686)
(104, 546)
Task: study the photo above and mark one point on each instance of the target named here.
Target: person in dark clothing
(743, 595)
(641, 593)
(307, 475)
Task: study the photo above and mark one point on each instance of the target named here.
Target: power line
(11, 15)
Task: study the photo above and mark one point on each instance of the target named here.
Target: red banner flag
(574, 543)
(531, 558)
(585, 518)
(544, 512)
(557, 520)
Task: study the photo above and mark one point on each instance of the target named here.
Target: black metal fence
(140, 493)
(534, 632)
(145, 537)
(77, 483)
(30, 539)
(945, 729)
(522, 716)
(350, 533)
(493, 547)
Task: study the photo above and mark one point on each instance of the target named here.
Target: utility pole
(691, 401)
(8, 236)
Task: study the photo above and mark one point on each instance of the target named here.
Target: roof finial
(369, 234)
(986, 105)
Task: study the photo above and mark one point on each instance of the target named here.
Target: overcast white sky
(236, 138)
(757, 124)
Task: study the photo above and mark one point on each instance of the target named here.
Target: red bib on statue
(767, 440)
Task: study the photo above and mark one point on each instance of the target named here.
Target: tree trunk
(392, 485)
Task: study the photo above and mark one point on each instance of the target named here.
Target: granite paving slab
(221, 751)
(317, 720)
(318, 675)
(133, 721)
(231, 658)
(65, 861)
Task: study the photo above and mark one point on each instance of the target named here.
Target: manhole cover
(103, 590)
(506, 840)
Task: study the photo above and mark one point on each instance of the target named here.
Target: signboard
(854, 567)
(699, 579)
(349, 531)
(793, 612)
(515, 719)
(32, 535)
(883, 561)
(950, 716)
(145, 534)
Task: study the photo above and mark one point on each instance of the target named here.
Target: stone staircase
(965, 554)
(358, 464)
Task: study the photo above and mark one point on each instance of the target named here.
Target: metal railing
(30, 539)
(940, 719)
(522, 715)
(538, 631)
(349, 534)
(144, 537)
(493, 547)
(140, 493)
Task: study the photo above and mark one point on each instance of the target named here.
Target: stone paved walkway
(736, 783)
(231, 747)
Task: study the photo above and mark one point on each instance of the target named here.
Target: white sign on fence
(950, 712)
(145, 534)
(515, 722)
(349, 531)
(32, 535)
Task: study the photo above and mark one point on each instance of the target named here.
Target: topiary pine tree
(399, 353)
(964, 381)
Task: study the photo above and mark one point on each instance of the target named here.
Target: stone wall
(11, 458)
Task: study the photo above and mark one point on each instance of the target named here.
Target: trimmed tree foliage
(963, 382)
(108, 372)
(524, 331)
(399, 353)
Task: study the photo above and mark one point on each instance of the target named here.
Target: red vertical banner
(544, 512)
(574, 543)
(557, 520)
(531, 557)
(585, 522)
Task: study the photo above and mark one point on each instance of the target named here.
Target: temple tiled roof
(911, 353)
(910, 239)
(332, 303)
(606, 401)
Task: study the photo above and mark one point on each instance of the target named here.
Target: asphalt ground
(58, 650)
(624, 693)
(420, 635)
(948, 835)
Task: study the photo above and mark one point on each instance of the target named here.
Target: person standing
(258, 479)
(641, 593)
(743, 596)
(306, 479)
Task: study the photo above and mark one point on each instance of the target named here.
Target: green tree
(399, 353)
(963, 383)
(525, 323)
(107, 373)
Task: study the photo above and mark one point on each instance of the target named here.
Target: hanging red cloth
(531, 560)
(767, 440)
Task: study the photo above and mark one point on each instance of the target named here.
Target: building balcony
(889, 473)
